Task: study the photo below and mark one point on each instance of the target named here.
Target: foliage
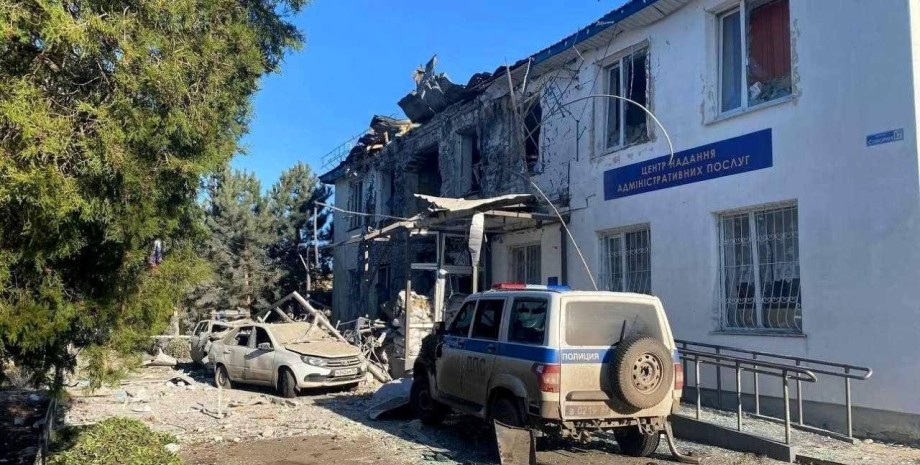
(291, 202)
(111, 111)
(240, 234)
(115, 441)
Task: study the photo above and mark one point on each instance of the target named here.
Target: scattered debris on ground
(114, 440)
(22, 414)
(324, 427)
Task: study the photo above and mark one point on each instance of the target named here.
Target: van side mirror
(439, 328)
(265, 346)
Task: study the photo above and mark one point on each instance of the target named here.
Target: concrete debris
(391, 396)
(172, 448)
(142, 409)
(160, 359)
(433, 93)
(267, 433)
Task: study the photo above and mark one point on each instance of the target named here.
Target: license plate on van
(346, 372)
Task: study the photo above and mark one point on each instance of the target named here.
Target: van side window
(242, 337)
(262, 337)
(202, 327)
(528, 321)
(488, 319)
(461, 324)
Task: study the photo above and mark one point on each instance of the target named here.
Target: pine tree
(292, 201)
(240, 234)
(111, 111)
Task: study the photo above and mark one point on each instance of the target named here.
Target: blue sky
(358, 59)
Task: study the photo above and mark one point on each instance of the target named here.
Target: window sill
(744, 111)
(760, 333)
(613, 150)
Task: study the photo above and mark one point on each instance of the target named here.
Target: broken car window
(262, 337)
(242, 337)
(528, 321)
(461, 325)
(488, 319)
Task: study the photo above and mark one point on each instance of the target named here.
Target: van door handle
(490, 348)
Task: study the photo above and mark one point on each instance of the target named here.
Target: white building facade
(787, 219)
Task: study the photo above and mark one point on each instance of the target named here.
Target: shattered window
(532, 122)
(355, 204)
(627, 123)
(461, 324)
(528, 321)
(488, 319)
(755, 56)
(242, 337)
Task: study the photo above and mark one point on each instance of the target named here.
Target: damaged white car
(287, 356)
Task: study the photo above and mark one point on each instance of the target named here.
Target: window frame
(513, 261)
(356, 204)
(618, 61)
(511, 319)
(604, 257)
(499, 320)
(758, 328)
(741, 7)
(474, 304)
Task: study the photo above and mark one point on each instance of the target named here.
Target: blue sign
(740, 154)
(884, 137)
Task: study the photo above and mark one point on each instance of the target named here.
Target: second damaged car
(289, 357)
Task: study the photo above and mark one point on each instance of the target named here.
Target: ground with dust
(256, 427)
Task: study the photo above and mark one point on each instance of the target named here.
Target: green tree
(111, 111)
(240, 234)
(292, 201)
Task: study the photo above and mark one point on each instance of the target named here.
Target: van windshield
(606, 323)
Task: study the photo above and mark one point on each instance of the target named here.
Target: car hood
(324, 348)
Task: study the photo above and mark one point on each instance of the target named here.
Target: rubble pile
(420, 319)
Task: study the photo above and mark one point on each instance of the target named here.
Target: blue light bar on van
(529, 287)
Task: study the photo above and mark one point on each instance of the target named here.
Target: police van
(563, 362)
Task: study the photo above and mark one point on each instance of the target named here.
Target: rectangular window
(755, 54)
(528, 321)
(761, 288)
(620, 320)
(356, 204)
(627, 124)
(525, 264)
(472, 160)
(626, 261)
(532, 126)
(460, 326)
(488, 319)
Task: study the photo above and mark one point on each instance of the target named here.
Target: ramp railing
(787, 367)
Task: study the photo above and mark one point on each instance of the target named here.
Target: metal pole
(475, 278)
(315, 239)
(756, 389)
(696, 381)
(786, 407)
(849, 405)
(719, 378)
(738, 389)
(798, 393)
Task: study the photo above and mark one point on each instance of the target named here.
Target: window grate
(626, 262)
(760, 276)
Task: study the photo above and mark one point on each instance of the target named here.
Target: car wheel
(634, 442)
(222, 378)
(287, 385)
(507, 410)
(642, 372)
(430, 411)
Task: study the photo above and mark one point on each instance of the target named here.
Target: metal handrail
(867, 371)
(756, 360)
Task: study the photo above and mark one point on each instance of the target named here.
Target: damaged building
(771, 203)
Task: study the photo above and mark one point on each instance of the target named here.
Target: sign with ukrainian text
(737, 155)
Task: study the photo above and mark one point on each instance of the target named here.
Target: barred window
(761, 287)
(356, 204)
(626, 261)
(525, 264)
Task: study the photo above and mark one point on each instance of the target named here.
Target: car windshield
(607, 323)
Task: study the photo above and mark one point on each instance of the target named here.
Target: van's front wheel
(430, 411)
(634, 442)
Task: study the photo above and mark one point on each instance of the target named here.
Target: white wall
(550, 261)
(859, 214)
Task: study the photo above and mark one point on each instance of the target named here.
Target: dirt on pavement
(321, 428)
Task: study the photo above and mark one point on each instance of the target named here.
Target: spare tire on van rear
(642, 371)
